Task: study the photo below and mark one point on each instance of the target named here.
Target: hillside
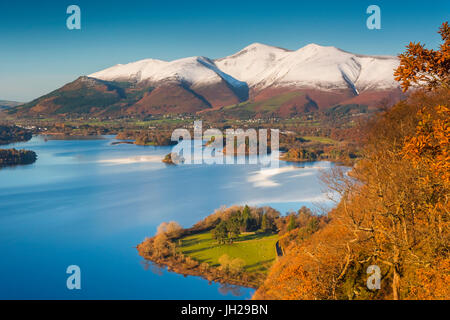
(259, 78)
(392, 217)
(5, 104)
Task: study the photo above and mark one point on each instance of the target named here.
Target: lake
(89, 203)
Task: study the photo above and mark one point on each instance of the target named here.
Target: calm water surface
(89, 203)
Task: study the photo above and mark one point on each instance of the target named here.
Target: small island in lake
(168, 159)
(12, 157)
(173, 158)
(147, 138)
(11, 134)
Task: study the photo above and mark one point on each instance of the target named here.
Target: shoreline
(214, 275)
(180, 263)
(235, 245)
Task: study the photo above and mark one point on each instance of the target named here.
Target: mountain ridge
(326, 74)
(260, 56)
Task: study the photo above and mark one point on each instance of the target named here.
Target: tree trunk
(396, 278)
(396, 284)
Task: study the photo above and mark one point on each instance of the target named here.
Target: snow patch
(260, 66)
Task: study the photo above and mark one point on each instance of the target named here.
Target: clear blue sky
(39, 54)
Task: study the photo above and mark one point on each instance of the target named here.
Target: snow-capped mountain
(314, 66)
(290, 82)
(252, 63)
(261, 66)
(192, 70)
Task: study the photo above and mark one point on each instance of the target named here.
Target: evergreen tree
(246, 219)
(292, 224)
(265, 223)
(233, 226)
(220, 232)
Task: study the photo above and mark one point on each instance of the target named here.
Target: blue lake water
(89, 203)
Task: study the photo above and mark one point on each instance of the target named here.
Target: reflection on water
(82, 204)
(226, 289)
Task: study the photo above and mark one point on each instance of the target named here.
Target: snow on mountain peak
(259, 65)
(193, 70)
(250, 64)
(134, 71)
(314, 46)
(261, 46)
(313, 66)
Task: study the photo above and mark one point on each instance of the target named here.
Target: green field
(257, 250)
(320, 139)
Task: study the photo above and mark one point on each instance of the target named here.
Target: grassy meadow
(256, 249)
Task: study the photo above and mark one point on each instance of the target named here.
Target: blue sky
(39, 54)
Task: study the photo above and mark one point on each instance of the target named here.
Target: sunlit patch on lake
(130, 160)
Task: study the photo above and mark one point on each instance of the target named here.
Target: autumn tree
(310, 271)
(393, 212)
(396, 202)
(426, 67)
(171, 229)
(231, 265)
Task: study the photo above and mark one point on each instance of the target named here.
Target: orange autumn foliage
(309, 271)
(432, 282)
(394, 204)
(393, 212)
(430, 147)
(421, 66)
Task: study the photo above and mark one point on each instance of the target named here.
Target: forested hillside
(394, 210)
